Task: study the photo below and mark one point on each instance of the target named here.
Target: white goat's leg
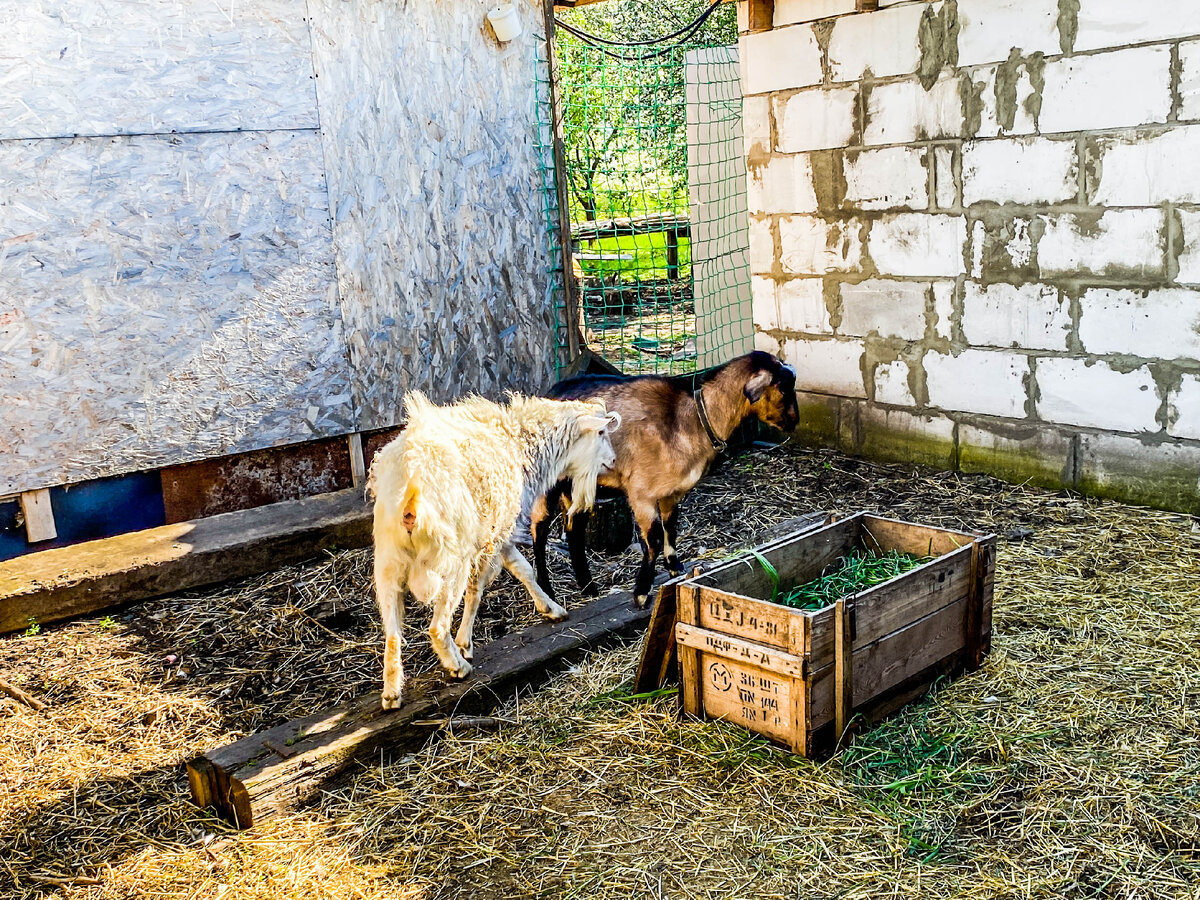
(445, 603)
(475, 588)
(523, 572)
(390, 572)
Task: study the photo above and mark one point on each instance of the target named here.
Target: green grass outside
(649, 258)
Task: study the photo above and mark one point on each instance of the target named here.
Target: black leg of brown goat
(670, 519)
(541, 517)
(673, 429)
(544, 514)
(577, 545)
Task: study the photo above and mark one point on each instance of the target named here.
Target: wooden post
(570, 302)
(691, 691)
(672, 253)
(800, 714)
(358, 465)
(843, 670)
(761, 14)
(982, 561)
(658, 648)
(867, 5)
(39, 516)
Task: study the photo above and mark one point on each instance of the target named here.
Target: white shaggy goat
(448, 493)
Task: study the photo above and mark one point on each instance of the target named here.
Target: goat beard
(583, 494)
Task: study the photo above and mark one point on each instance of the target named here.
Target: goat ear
(592, 423)
(757, 386)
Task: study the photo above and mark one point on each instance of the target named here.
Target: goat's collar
(718, 444)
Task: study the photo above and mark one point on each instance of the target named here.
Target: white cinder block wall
(975, 230)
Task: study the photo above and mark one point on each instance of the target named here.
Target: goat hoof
(461, 672)
(641, 600)
(556, 614)
(392, 702)
(674, 566)
(467, 650)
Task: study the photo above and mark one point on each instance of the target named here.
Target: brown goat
(673, 429)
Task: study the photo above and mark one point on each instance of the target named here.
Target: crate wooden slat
(797, 676)
(658, 661)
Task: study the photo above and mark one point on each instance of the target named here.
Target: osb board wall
(164, 299)
(153, 66)
(167, 298)
(432, 157)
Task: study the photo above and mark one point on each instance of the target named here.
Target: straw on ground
(1069, 766)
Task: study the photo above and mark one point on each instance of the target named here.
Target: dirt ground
(1069, 766)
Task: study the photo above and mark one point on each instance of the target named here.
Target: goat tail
(408, 504)
(418, 512)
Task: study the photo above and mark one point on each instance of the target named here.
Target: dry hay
(1069, 766)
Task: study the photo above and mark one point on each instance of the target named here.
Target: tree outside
(624, 119)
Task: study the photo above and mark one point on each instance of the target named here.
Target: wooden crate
(799, 677)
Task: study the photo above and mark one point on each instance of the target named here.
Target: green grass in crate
(853, 573)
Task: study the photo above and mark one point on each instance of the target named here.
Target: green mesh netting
(656, 183)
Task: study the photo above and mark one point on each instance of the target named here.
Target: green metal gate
(654, 170)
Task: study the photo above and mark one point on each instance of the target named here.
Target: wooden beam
(39, 516)
(221, 484)
(761, 15)
(571, 318)
(68, 581)
(358, 465)
(867, 5)
(656, 223)
(250, 780)
(978, 619)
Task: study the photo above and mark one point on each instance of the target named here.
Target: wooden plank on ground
(251, 780)
(39, 516)
(83, 578)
